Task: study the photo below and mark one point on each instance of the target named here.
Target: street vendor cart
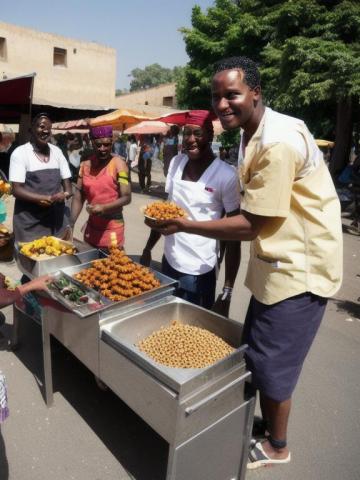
(201, 412)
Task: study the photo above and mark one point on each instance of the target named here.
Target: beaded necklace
(44, 159)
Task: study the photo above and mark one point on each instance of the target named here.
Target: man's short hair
(248, 66)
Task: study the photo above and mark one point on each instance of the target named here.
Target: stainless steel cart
(201, 413)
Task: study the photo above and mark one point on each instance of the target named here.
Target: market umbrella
(82, 124)
(120, 119)
(324, 143)
(177, 118)
(148, 127)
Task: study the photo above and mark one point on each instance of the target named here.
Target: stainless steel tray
(166, 288)
(124, 333)
(34, 268)
(97, 302)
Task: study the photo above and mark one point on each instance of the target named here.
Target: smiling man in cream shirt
(291, 215)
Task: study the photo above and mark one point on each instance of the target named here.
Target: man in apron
(205, 187)
(40, 177)
(291, 214)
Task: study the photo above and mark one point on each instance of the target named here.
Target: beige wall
(87, 80)
(152, 97)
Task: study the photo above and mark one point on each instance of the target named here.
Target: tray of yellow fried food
(160, 210)
(50, 254)
(46, 247)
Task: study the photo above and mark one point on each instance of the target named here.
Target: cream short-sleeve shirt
(284, 177)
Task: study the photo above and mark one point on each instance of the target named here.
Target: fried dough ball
(164, 211)
(118, 277)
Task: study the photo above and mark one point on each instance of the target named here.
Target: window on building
(168, 101)
(2, 48)
(60, 57)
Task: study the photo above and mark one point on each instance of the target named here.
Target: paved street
(92, 435)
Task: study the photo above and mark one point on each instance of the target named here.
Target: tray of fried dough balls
(117, 278)
(162, 210)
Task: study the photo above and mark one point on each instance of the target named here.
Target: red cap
(192, 117)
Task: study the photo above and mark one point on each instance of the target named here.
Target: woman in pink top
(104, 183)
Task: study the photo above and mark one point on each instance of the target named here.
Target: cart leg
(48, 381)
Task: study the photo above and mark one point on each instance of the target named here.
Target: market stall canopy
(325, 143)
(120, 119)
(15, 97)
(82, 124)
(148, 127)
(175, 118)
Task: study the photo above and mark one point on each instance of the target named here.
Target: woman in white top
(205, 187)
(40, 176)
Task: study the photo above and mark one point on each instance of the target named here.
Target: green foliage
(229, 138)
(152, 76)
(308, 52)
(121, 91)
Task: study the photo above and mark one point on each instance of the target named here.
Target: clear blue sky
(142, 31)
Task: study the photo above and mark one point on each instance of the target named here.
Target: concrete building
(160, 99)
(69, 73)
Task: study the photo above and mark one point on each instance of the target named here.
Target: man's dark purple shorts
(279, 337)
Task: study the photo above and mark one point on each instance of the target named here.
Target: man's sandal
(258, 458)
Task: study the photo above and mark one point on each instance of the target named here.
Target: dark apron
(32, 221)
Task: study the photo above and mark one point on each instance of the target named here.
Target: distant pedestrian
(145, 163)
(171, 145)
(132, 151)
(119, 146)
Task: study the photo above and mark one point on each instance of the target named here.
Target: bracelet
(226, 293)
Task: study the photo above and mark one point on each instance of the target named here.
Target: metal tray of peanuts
(124, 334)
(166, 286)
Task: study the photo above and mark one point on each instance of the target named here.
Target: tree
(121, 91)
(152, 76)
(309, 56)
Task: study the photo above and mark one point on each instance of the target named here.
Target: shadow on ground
(157, 189)
(138, 448)
(352, 308)
(351, 230)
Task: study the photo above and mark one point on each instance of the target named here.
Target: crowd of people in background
(142, 151)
